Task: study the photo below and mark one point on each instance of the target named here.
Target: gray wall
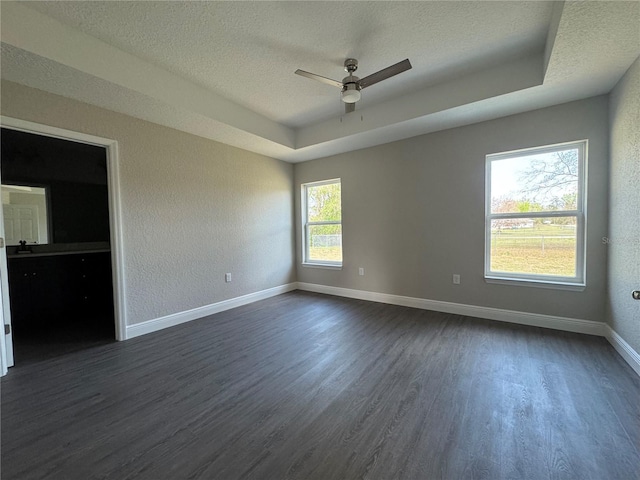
(192, 209)
(623, 240)
(413, 212)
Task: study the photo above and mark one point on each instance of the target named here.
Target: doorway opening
(60, 220)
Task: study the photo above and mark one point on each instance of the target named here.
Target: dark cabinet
(59, 287)
(90, 281)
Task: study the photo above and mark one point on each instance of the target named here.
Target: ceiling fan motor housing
(350, 85)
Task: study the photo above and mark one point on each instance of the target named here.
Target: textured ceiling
(248, 52)
(224, 70)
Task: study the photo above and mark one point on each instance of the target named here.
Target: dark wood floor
(309, 386)
(56, 336)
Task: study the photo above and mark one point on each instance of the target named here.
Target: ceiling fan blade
(349, 107)
(319, 78)
(385, 73)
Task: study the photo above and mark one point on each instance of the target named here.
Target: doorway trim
(115, 216)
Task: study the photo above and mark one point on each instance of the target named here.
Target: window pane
(544, 246)
(535, 183)
(323, 203)
(325, 243)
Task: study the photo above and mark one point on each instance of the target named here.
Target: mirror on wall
(25, 214)
(74, 207)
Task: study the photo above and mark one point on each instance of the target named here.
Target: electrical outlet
(361, 271)
(456, 279)
(227, 277)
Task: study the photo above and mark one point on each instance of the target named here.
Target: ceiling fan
(351, 85)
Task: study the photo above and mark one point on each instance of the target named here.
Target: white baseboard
(167, 321)
(624, 349)
(534, 319)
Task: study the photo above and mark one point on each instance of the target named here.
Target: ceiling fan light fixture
(350, 93)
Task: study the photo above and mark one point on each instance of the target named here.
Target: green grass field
(543, 249)
(331, 254)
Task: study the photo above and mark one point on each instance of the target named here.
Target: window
(322, 220)
(535, 222)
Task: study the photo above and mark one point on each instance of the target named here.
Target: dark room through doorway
(55, 204)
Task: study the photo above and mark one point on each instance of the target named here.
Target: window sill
(322, 265)
(574, 287)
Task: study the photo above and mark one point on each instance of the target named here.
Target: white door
(3, 345)
(21, 223)
(6, 338)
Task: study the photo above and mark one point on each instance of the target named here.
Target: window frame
(580, 213)
(306, 224)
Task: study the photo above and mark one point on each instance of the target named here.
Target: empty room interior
(320, 240)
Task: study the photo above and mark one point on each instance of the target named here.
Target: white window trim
(544, 281)
(306, 224)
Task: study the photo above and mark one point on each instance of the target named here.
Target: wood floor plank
(309, 386)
